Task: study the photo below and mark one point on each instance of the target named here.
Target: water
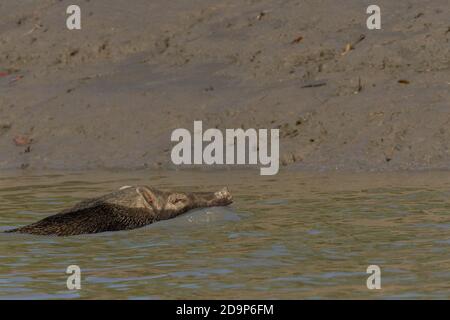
(292, 236)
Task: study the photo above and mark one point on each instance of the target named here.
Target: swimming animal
(128, 208)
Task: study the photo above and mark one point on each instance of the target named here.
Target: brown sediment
(110, 95)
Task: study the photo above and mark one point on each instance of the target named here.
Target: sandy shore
(109, 96)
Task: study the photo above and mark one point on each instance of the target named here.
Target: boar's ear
(148, 195)
(154, 198)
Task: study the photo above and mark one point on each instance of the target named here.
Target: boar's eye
(177, 199)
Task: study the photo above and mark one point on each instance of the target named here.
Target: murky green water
(292, 236)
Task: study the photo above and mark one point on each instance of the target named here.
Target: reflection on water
(294, 236)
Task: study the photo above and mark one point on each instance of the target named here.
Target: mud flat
(109, 96)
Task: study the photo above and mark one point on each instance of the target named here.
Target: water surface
(292, 236)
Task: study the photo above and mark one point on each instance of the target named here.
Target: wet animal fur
(128, 208)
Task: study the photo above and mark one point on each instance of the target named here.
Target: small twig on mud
(261, 15)
(361, 38)
(16, 79)
(315, 84)
(297, 40)
(350, 46)
(36, 26)
(347, 49)
(360, 87)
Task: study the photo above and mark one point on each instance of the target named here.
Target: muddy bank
(109, 96)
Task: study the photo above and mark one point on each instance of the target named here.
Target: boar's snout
(223, 197)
